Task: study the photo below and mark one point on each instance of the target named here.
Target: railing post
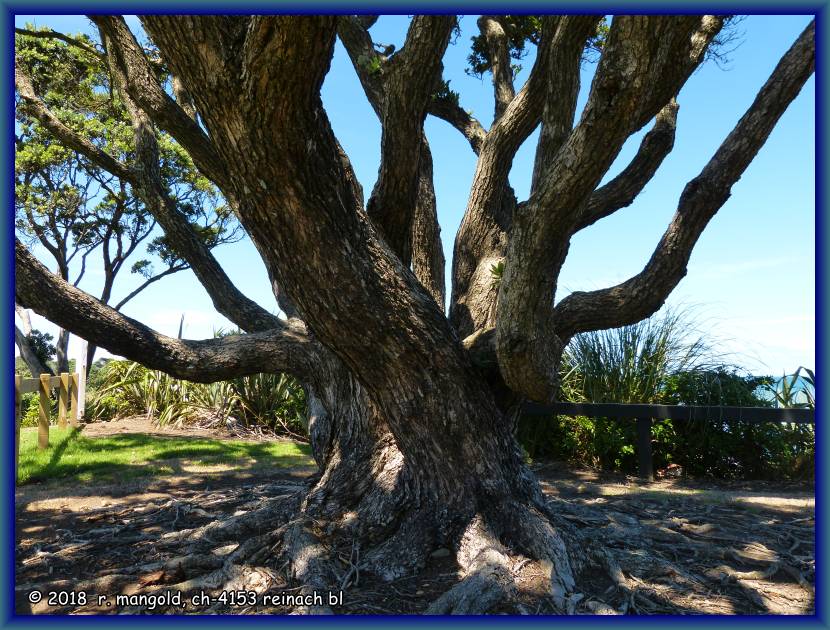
(80, 379)
(644, 448)
(63, 399)
(43, 417)
(73, 397)
(18, 396)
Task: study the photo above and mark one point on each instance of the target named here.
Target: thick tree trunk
(415, 443)
(472, 499)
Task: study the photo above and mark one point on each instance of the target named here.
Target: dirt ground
(675, 546)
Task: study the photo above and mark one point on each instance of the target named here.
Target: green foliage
(42, 346)
(276, 401)
(793, 391)
(522, 30)
(657, 361)
(444, 93)
(632, 363)
(273, 401)
(70, 205)
(370, 63)
(21, 368)
(30, 409)
(497, 273)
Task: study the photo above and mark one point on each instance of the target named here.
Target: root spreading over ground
(235, 546)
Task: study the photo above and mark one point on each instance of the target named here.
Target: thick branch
(367, 62)
(284, 349)
(497, 47)
(562, 90)
(464, 122)
(645, 62)
(624, 188)
(646, 292)
(409, 82)
(427, 250)
(482, 238)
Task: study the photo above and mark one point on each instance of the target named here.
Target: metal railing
(646, 414)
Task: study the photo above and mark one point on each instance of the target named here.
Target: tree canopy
(74, 208)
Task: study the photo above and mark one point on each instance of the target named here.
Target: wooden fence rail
(645, 414)
(67, 386)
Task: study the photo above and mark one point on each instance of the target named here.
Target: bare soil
(677, 546)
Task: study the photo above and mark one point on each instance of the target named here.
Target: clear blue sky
(751, 277)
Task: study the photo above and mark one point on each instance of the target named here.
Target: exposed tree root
(578, 556)
(309, 562)
(272, 513)
(488, 578)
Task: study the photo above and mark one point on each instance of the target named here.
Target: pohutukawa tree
(72, 207)
(412, 411)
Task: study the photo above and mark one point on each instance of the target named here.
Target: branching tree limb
(409, 80)
(462, 120)
(427, 254)
(32, 105)
(645, 293)
(226, 297)
(624, 188)
(284, 349)
(646, 61)
(482, 239)
(143, 86)
(52, 34)
(427, 250)
(494, 35)
(564, 61)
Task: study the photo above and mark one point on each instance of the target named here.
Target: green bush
(657, 361)
(274, 401)
(30, 409)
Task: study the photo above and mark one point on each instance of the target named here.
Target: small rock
(443, 552)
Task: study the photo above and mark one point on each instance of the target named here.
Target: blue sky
(751, 278)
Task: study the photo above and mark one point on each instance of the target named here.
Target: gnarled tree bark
(412, 411)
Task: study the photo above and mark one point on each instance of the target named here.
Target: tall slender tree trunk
(62, 351)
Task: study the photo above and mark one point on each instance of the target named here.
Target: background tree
(412, 411)
(72, 207)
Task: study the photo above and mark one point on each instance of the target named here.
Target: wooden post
(81, 382)
(18, 381)
(63, 400)
(43, 418)
(73, 397)
(644, 448)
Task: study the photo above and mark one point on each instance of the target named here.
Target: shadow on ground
(675, 547)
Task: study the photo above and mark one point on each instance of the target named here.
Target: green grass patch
(120, 457)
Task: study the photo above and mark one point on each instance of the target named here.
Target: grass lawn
(119, 457)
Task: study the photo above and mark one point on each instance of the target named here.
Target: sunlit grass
(119, 457)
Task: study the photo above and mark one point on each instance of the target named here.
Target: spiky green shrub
(662, 360)
(273, 401)
(630, 364)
